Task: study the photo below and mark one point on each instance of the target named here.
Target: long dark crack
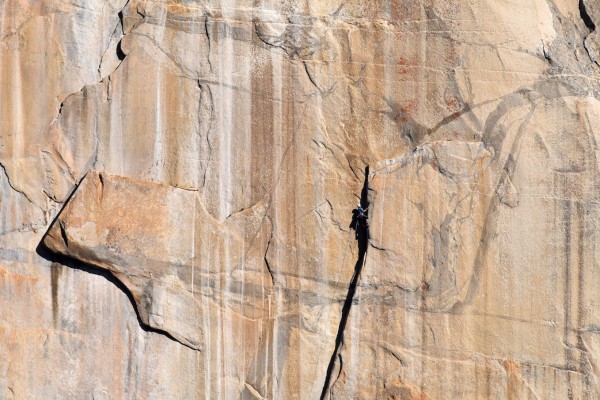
(207, 30)
(362, 237)
(265, 258)
(589, 41)
(587, 20)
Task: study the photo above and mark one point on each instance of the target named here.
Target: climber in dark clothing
(360, 221)
(362, 217)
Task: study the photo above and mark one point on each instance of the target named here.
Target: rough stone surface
(177, 180)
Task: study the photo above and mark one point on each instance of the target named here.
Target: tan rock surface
(193, 166)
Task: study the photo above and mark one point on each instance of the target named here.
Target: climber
(362, 217)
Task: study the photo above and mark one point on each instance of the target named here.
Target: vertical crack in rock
(120, 53)
(587, 20)
(207, 33)
(206, 106)
(590, 43)
(363, 244)
(114, 46)
(311, 78)
(265, 258)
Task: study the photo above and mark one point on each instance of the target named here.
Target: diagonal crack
(83, 266)
(269, 268)
(8, 180)
(363, 245)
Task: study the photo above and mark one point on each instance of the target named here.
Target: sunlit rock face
(178, 180)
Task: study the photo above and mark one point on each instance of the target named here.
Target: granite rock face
(178, 179)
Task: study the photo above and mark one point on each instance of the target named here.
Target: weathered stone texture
(177, 180)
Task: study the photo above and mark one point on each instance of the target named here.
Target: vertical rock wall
(178, 178)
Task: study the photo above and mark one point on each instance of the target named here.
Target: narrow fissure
(362, 237)
(587, 20)
(120, 53)
(267, 261)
